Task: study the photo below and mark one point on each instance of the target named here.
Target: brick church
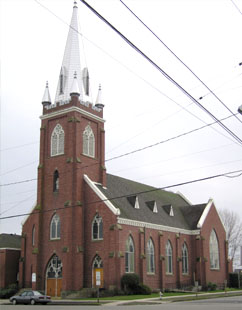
(88, 227)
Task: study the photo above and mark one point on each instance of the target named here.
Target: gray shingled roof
(10, 241)
(185, 215)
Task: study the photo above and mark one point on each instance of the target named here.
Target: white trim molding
(72, 109)
(158, 227)
(205, 213)
(104, 199)
(14, 249)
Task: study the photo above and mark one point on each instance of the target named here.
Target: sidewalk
(147, 301)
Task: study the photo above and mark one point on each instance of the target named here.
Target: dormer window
(171, 211)
(155, 208)
(134, 201)
(136, 206)
(152, 206)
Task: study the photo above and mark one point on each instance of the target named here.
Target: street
(226, 303)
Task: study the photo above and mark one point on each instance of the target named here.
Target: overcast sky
(141, 106)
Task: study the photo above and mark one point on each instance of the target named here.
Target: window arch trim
(129, 255)
(185, 264)
(55, 226)
(150, 256)
(57, 141)
(214, 251)
(169, 258)
(88, 142)
(97, 228)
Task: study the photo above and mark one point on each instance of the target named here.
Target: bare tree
(233, 227)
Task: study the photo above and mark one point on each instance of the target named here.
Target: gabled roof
(185, 215)
(10, 241)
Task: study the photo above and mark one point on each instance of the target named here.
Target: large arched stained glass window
(129, 255)
(214, 250)
(55, 227)
(57, 141)
(150, 256)
(169, 268)
(184, 259)
(88, 142)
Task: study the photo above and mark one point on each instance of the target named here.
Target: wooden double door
(54, 287)
(54, 277)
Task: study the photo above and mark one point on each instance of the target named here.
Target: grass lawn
(156, 295)
(133, 297)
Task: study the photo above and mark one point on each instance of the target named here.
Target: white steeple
(46, 101)
(71, 64)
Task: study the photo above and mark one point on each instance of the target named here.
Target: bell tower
(72, 143)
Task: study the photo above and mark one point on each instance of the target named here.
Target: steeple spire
(99, 103)
(75, 88)
(46, 101)
(71, 63)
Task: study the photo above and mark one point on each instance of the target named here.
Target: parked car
(30, 297)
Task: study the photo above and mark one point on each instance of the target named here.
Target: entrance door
(97, 272)
(98, 277)
(54, 277)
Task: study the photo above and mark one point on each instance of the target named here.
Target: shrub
(8, 292)
(143, 289)
(130, 283)
(212, 286)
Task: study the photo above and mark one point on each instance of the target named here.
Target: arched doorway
(54, 277)
(97, 272)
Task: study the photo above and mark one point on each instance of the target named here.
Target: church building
(88, 227)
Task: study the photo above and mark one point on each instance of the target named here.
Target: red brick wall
(213, 222)
(76, 204)
(9, 266)
(66, 202)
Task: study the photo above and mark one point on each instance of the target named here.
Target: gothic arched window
(150, 257)
(214, 250)
(97, 228)
(169, 268)
(55, 227)
(54, 268)
(88, 142)
(33, 235)
(184, 259)
(129, 255)
(57, 141)
(56, 181)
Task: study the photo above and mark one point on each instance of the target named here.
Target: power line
(167, 76)
(18, 146)
(172, 159)
(17, 204)
(226, 174)
(183, 108)
(236, 7)
(193, 73)
(29, 164)
(128, 153)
